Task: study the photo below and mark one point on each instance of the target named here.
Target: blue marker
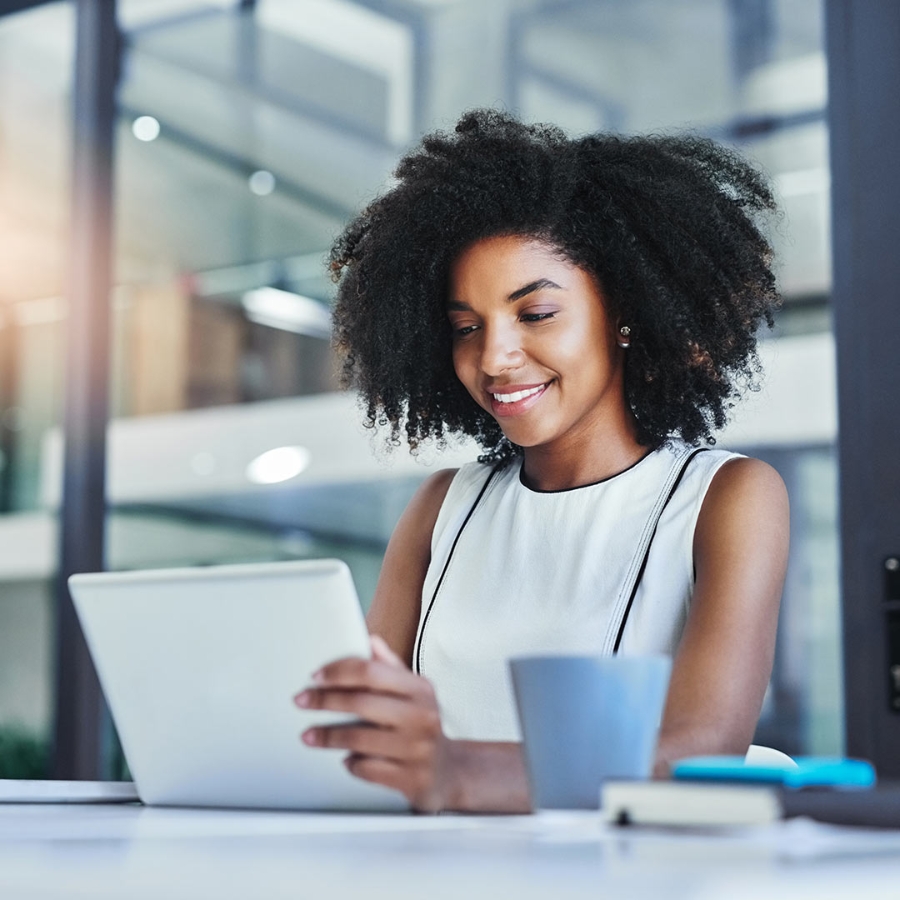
(810, 771)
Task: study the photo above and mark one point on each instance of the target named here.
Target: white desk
(132, 852)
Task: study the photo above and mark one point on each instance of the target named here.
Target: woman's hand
(399, 742)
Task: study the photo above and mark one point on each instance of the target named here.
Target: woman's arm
(407, 749)
(724, 661)
(395, 609)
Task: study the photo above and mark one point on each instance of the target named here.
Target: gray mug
(585, 720)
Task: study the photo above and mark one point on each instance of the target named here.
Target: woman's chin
(521, 437)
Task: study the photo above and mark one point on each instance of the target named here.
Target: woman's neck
(584, 460)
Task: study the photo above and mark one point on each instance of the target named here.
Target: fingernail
(318, 677)
(311, 737)
(302, 699)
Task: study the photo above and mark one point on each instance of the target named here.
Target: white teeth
(517, 395)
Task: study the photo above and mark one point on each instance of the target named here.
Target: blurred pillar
(9, 349)
(79, 720)
(863, 41)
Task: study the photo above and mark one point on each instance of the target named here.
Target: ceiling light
(145, 128)
(280, 464)
(288, 311)
(262, 183)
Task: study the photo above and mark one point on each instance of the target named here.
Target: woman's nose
(501, 350)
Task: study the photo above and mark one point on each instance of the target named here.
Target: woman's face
(533, 344)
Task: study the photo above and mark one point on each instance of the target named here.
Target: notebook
(683, 803)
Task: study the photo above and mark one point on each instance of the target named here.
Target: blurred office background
(247, 134)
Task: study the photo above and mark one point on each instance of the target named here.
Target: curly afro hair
(667, 225)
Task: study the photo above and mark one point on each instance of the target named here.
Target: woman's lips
(504, 409)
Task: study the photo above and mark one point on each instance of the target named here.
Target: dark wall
(863, 43)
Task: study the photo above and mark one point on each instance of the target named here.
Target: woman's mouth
(516, 399)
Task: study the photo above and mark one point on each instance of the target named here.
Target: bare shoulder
(746, 498)
(411, 539)
(428, 499)
(745, 480)
(394, 613)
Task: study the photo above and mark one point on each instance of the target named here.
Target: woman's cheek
(464, 369)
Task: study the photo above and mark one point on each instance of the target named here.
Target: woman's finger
(382, 652)
(366, 740)
(395, 775)
(378, 770)
(380, 709)
(369, 675)
(357, 738)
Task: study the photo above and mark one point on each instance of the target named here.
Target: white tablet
(200, 666)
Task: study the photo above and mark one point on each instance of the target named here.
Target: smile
(514, 403)
(518, 395)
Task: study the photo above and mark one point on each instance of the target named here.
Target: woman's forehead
(509, 258)
(508, 268)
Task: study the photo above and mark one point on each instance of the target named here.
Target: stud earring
(624, 337)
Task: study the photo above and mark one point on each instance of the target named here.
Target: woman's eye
(463, 330)
(537, 317)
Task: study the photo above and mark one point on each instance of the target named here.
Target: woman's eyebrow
(458, 305)
(534, 286)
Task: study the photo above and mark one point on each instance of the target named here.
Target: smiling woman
(534, 347)
(587, 310)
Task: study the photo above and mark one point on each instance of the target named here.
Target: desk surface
(133, 852)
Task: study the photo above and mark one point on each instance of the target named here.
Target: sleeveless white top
(595, 570)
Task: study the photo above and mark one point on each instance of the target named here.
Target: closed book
(688, 803)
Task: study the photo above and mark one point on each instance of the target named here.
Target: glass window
(36, 50)
(247, 135)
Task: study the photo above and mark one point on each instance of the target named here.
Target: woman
(587, 311)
